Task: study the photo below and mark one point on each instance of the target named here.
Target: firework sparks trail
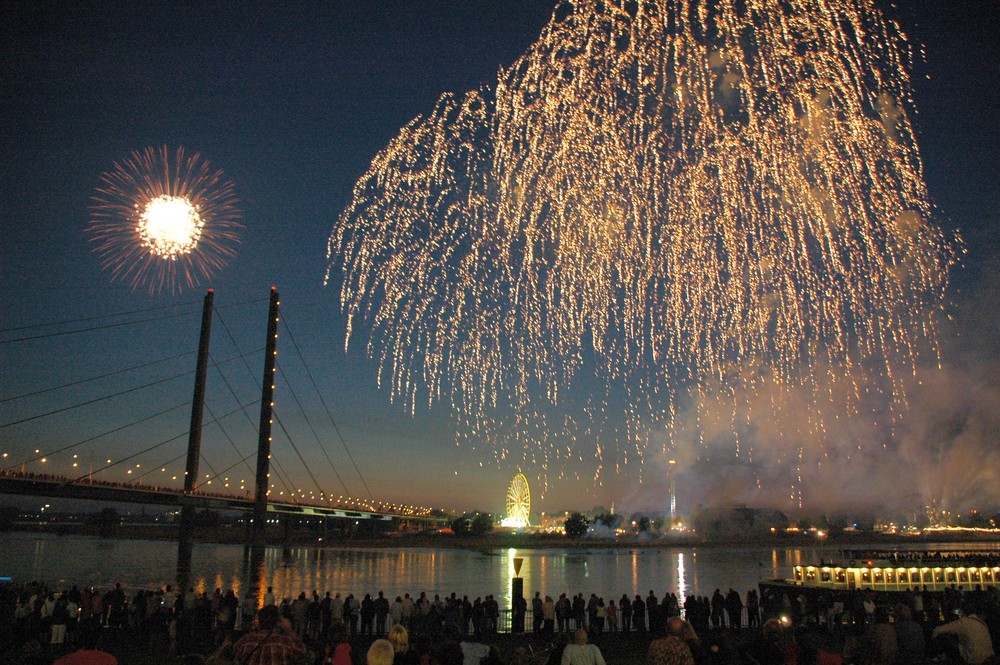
(658, 196)
(163, 221)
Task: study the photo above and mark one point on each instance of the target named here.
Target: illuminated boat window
(963, 575)
(866, 576)
(841, 575)
(928, 577)
(903, 577)
(938, 575)
(974, 575)
(890, 576)
(824, 575)
(878, 576)
(950, 576)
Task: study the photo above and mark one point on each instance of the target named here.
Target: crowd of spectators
(44, 624)
(906, 558)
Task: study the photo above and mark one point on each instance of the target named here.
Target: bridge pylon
(258, 528)
(185, 542)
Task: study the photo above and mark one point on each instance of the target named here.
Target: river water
(605, 571)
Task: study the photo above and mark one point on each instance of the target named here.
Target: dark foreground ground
(618, 649)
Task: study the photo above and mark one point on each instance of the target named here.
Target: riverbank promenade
(39, 623)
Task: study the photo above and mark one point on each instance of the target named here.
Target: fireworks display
(163, 221)
(698, 199)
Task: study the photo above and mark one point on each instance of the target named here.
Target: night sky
(293, 101)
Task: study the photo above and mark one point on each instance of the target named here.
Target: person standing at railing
(625, 609)
(579, 611)
(600, 616)
(639, 614)
(519, 609)
(59, 619)
(396, 612)
(381, 613)
(563, 611)
(753, 609)
(548, 616)
(734, 608)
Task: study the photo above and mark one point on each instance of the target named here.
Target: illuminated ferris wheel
(518, 502)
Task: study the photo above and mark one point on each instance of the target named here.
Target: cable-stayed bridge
(102, 408)
(43, 485)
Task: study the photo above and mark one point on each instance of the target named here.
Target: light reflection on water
(681, 582)
(607, 572)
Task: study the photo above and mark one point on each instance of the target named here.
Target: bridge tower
(258, 528)
(185, 538)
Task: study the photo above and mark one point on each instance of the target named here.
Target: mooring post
(258, 530)
(185, 539)
(286, 538)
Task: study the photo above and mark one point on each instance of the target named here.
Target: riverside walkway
(163, 627)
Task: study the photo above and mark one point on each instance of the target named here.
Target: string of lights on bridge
(31, 416)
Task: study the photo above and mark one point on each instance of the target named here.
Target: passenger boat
(903, 571)
(888, 573)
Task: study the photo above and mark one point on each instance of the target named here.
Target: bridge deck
(66, 488)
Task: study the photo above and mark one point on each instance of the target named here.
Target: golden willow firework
(656, 196)
(163, 221)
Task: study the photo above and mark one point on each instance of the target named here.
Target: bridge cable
(95, 378)
(244, 459)
(282, 475)
(232, 443)
(95, 318)
(163, 467)
(305, 464)
(97, 399)
(209, 476)
(214, 474)
(143, 451)
(62, 333)
(135, 482)
(232, 466)
(102, 434)
(279, 472)
(328, 413)
(313, 429)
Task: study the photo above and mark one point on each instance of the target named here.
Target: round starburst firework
(170, 226)
(163, 221)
